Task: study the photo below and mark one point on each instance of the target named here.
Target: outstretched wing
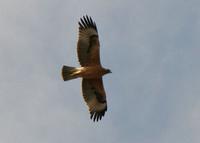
(88, 42)
(95, 97)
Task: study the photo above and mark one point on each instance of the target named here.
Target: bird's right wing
(88, 42)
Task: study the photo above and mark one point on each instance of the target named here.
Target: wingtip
(97, 116)
(87, 22)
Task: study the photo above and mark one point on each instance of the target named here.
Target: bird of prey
(91, 70)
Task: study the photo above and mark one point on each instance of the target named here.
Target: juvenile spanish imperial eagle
(91, 70)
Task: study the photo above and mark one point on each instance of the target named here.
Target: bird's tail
(69, 73)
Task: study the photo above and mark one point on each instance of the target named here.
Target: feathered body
(91, 70)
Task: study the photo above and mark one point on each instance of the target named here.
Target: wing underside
(88, 42)
(95, 97)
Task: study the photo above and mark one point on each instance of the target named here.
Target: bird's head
(108, 71)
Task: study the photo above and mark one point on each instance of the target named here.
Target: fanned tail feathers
(69, 73)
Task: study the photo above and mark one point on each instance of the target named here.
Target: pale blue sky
(152, 48)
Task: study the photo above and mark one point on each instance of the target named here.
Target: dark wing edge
(87, 22)
(94, 96)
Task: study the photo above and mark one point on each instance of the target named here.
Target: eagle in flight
(91, 70)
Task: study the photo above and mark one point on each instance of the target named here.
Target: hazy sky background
(152, 48)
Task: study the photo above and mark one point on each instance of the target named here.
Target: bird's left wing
(95, 97)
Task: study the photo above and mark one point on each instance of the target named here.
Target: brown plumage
(91, 70)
